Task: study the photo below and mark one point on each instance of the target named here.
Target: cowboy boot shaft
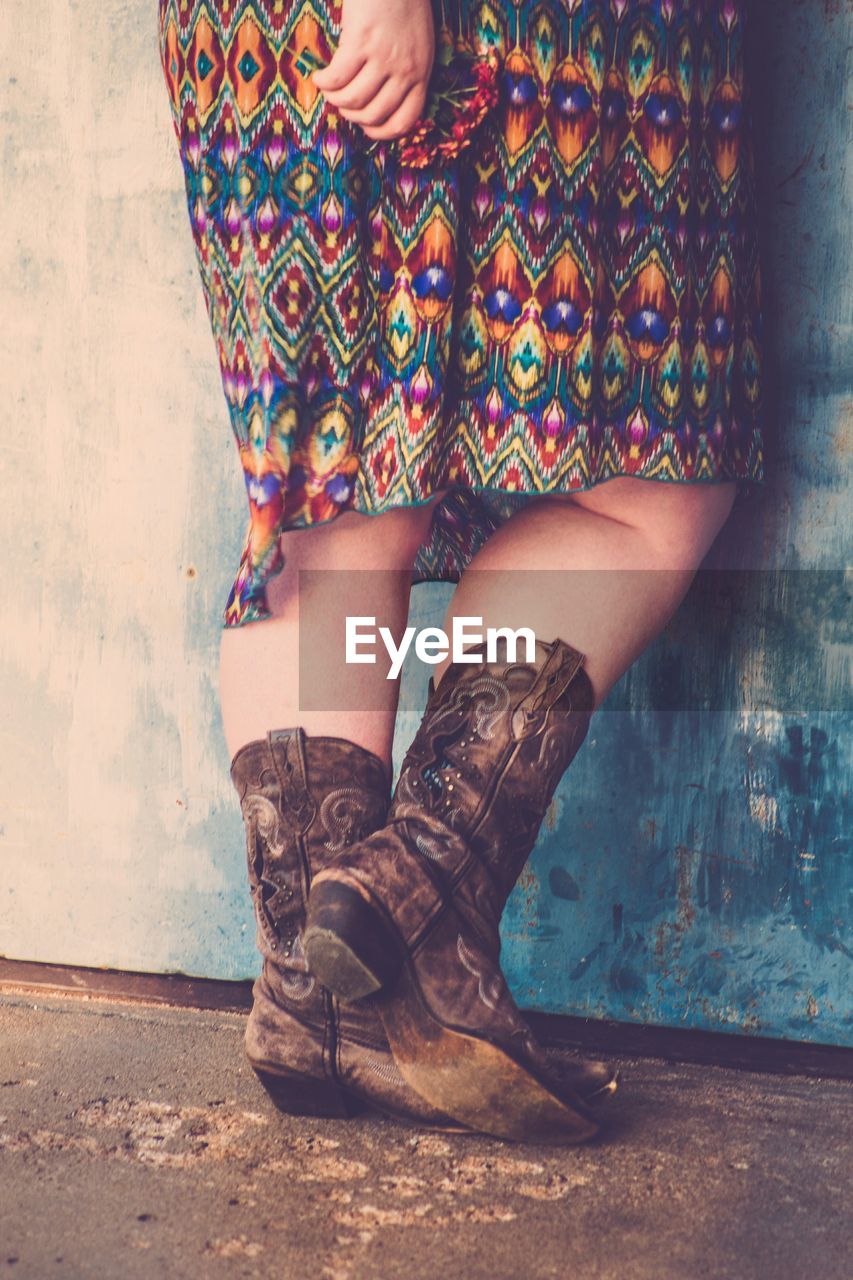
(474, 786)
(304, 800)
(494, 742)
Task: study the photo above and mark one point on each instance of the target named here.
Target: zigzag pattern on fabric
(576, 298)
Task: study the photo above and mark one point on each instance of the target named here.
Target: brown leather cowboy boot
(305, 799)
(414, 909)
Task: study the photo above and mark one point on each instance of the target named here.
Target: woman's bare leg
(259, 661)
(624, 552)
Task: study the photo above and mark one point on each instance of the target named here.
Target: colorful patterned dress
(575, 297)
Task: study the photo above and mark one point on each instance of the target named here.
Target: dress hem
(257, 610)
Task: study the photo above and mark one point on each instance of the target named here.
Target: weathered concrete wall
(121, 514)
(695, 869)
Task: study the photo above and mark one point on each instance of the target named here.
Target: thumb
(339, 71)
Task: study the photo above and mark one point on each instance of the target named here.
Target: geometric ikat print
(576, 297)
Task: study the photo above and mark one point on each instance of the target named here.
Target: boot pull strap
(287, 748)
(554, 677)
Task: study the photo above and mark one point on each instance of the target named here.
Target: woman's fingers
(402, 119)
(381, 106)
(379, 73)
(360, 91)
(344, 65)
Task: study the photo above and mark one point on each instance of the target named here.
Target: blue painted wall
(695, 866)
(699, 872)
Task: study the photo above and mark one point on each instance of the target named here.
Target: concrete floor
(135, 1143)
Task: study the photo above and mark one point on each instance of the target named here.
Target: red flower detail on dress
(464, 90)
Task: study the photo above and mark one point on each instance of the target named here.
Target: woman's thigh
(353, 540)
(689, 514)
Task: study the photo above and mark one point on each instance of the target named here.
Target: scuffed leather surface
(277, 1037)
(365, 1065)
(474, 786)
(304, 800)
(494, 741)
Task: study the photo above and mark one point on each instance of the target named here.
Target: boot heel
(299, 1095)
(349, 946)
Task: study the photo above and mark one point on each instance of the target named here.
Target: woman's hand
(379, 72)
